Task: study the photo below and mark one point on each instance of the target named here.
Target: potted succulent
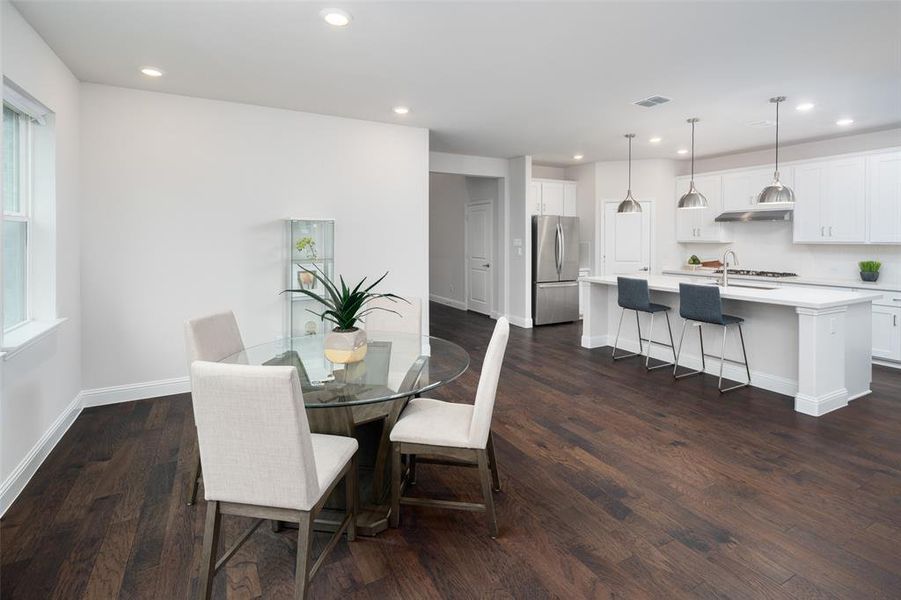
(344, 306)
(869, 270)
(306, 245)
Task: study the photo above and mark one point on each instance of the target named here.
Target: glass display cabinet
(311, 247)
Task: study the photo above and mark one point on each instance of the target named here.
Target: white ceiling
(505, 79)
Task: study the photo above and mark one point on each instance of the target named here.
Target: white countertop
(878, 286)
(800, 297)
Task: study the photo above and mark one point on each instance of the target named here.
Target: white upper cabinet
(553, 197)
(569, 199)
(830, 202)
(697, 225)
(534, 198)
(884, 189)
(740, 189)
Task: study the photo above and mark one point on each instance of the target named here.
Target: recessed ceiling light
(805, 106)
(151, 72)
(844, 122)
(335, 17)
(655, 140)
(681, 151)
(401, 110)
(578, 156)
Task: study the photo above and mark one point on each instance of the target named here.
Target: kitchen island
(810, 343)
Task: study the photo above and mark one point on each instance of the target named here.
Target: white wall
(519, 243)
(448, 197)
(652, 179)
(586, 193)
(184, 201)
(549, 172)
(768, 246)
(40, 384)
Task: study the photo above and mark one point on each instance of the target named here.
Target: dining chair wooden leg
(351, 498)
(394, 518)
(411, 462)
(275, 526)
(195, 480)
(210, 545)
(304, 556)
(485, 476)
(492, 462)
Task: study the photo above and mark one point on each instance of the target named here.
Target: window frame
(24, 215)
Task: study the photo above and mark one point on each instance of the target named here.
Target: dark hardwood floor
(617, 483)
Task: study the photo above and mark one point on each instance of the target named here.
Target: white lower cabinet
(887, 332)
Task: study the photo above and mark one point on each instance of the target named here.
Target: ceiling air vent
(652, 101)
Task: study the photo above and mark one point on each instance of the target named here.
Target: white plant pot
(343, 347)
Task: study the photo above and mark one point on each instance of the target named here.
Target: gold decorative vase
(345, 346)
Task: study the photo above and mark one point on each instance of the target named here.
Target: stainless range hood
(782, 214)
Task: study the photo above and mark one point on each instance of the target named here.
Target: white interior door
(627, 239)
(479, 242)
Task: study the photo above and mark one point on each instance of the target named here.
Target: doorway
(463, 241)
(628, 239)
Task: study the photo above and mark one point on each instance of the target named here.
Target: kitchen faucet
(724, 281)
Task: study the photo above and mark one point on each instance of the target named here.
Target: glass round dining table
(396, 366)
(363, 400)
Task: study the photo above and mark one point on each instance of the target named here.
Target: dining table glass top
(396, 365)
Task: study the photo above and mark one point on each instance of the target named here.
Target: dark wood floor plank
(617, 484)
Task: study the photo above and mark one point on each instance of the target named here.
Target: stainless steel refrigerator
(555, 269)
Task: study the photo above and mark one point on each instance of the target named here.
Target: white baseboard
(458, 304)
(524, 322)
(135, 391)
(817, 407)
(13, 485)
(886, 363)
(733, 372)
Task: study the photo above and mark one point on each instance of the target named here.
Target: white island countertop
(799, 297)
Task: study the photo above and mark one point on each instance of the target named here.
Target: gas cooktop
(752, 273)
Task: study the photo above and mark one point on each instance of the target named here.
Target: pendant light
(630, 204)
(692, 198)
(776, 193)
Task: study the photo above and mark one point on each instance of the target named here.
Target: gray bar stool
(633, 294)
(702, 304)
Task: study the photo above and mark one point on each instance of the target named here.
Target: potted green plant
(694, 262)
(306, 245)
(869, 269)
(344, 306)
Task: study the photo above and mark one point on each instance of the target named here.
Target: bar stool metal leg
(723, 359)
(672, 345)
(681, 343)
(616, 340)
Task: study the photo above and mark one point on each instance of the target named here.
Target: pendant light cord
(630, 165)
(692, 152)
(777, 140)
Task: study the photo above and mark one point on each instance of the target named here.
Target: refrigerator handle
(557, 249)
(562, 247)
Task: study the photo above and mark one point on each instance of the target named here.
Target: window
(16, 212)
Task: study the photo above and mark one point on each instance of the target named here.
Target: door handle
(644, 269)
(557, 248)
(486, 265)
(830, 231)
(822, 232)
(562, 246)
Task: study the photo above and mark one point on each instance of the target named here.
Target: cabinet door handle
(830, 231)
(822, 232)
(894, 320)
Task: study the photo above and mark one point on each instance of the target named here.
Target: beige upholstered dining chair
(260, 460)
(210, 338)
(459, 432)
